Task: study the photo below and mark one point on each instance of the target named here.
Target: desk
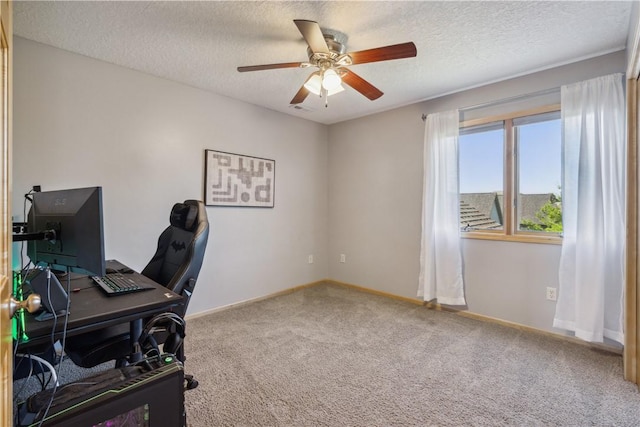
(90, 309)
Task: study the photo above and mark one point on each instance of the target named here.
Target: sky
(482, 165)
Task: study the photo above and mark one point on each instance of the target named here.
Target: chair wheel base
(190, 382)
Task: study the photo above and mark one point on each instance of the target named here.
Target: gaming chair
(175, 265)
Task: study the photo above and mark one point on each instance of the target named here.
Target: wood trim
(252, 300)
(6, 275)
(632, 321)
(506, 116)
(464, 313)
(521, 327)
(631, 353)
(520, 237)
(427, 304)
(416, 300)
(509, 178)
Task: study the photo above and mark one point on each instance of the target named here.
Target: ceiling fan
(328, 55)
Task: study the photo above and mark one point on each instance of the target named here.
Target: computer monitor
(71, 221)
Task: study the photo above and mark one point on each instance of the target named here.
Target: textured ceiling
(460, 44)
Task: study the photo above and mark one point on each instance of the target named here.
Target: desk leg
(134, 332)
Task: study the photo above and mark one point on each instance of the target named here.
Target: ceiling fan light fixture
(331, 80)
(335, 90)
(314, 84)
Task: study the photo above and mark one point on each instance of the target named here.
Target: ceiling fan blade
(312, 34)
(270, 66)
(300, 96)
(361, 85)
(386, 53)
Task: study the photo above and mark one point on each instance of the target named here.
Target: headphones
(168, 322)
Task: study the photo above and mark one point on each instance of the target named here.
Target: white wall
(82, 122)
(375, 188)
(352, 188)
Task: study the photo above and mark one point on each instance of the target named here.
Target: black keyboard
(118, 284)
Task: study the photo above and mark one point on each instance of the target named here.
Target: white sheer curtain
(590, 298)
(441, 253)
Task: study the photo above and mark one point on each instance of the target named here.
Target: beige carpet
(334, 356)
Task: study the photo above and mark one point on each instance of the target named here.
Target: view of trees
(549, 217)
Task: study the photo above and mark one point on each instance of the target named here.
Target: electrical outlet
(343, 258)
(310, 259)
(552, 294)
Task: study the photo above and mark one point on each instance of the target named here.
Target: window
(510, 176)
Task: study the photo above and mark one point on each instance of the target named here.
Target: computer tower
(144, 396)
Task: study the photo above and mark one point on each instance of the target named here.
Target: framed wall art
(238, 180)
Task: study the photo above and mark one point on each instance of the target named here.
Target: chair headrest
(184, 216)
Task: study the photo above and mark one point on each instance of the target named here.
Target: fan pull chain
(324, 92)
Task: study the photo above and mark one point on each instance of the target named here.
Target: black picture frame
(239, 180)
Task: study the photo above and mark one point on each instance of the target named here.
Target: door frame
(6, 339)
(631, 352)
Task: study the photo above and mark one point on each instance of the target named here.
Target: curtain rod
(505, 100)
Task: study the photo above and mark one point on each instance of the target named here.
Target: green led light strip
(18, 322)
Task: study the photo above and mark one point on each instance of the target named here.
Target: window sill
(519, 238)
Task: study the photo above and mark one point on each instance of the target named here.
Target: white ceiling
(460, 44)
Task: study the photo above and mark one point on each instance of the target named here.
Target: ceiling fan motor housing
(336, 49)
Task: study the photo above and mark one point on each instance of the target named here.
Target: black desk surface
(91, 309)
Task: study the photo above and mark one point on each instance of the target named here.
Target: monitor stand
(53, 296)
